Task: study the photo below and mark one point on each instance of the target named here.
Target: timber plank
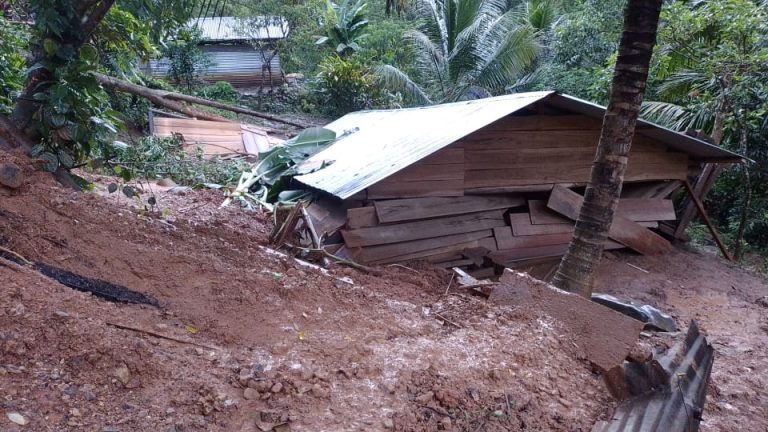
(426, 255)
(396, 233)
(430, 207)
(506, 240)
(636, 209)
(647, 210)
(377, 253)
(623, 230)
(446, 188)
(541, 214)
(361, 217)
(422, 172)
(521, 226)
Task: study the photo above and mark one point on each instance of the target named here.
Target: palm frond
(670, 115)
(394, 79)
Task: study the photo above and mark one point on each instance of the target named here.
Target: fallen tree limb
(172, 101)
(158, 335)
(336, 259)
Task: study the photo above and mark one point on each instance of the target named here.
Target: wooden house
(489, 183)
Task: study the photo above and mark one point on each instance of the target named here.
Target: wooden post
(705, 217)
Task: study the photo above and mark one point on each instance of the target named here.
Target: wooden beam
(704, 183)
(623, 230)
(700, 207)
(430, 207)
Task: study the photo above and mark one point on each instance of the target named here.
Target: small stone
(74, 412)
(170, 412)
(199, 351)
(446, 421)
(424, 398)
(123, 374)
(276, 388)
(17, 418)
(388, 423)
(89, 396)
(11, 175)
(564, 402)
(166, 182)
(61, 314)
(762, 301)
(250, 394)
(3, 371)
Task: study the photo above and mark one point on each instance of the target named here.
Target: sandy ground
(262, 340)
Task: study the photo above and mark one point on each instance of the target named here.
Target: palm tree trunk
(577, 269)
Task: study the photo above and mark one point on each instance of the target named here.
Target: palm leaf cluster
(469, 49)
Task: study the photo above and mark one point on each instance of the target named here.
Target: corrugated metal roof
(384, 142)
(235, 28)
(377, 144)
(677, 400)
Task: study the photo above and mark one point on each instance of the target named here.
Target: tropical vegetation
(708, 73)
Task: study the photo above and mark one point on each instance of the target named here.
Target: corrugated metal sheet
(677, 400)
(381, 143)
(378, 144)
(218, 29)
(238, 64)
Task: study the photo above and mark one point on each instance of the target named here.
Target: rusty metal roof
(373, 145)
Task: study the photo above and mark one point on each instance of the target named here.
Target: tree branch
(169, 100)
(95, 17)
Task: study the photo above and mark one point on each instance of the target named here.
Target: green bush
(163, 157)
(220, 91)
(12, 64)
(346, 85)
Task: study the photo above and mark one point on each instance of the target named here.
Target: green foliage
(346, 85)
(186, 59)
(346, 27)
(468, 49)
(712, 69)
(220, 91)
(163, 157)
(582, 50)
(121, 40)
(385, 45)
(12, 63)
(270, 180)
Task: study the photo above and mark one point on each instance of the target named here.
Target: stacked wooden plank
(479, 232)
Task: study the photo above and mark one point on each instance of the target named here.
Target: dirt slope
(331, 351)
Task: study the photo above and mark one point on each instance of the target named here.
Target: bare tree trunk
(172, 101)
(576, 272)
(747, 201)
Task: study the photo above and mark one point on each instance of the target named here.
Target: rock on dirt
(17, 418)
(11, 175)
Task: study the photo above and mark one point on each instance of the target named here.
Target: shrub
(12, 63)
(161, 157)
(220, 91)
(346, 85)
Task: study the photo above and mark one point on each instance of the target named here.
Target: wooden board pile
(482, 234)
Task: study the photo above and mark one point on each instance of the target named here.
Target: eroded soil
(262, 339)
